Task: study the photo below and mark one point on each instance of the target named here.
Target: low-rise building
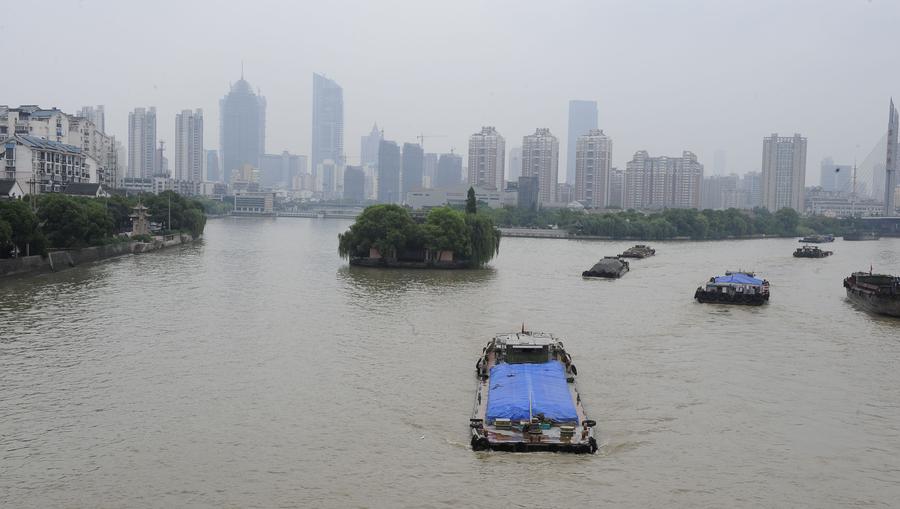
(255, 203)
(86, 190)
(430, 198)
(42, 166)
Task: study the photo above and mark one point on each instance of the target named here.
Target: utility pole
(169, 224)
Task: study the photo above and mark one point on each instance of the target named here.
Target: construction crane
(421, 138)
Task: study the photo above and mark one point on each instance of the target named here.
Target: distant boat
(638, 251)
(811, 252)
(861, 235)
(734, 288)
(878, 293)
(608, 267)
(818, 239)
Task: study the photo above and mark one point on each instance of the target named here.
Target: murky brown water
(257, 370)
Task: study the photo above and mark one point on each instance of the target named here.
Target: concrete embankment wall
(61, 260)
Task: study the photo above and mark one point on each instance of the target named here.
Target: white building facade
(189, 153)
(593, 161)
(783, 172)
(540, 158)
(487, 159)
(142, 152)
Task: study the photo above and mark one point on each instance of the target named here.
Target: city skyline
(747, 77)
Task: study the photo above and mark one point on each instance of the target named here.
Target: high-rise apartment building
(449, 172)
(582, 118)
(388, 172)
(327, 122)
(487, 158)
(242, 128)
(783, 172)
(663, 182)
(540, 158)
(593, 160)
(95, 114)
(412, 168)
(189, 152)
(142, 143)
(429, 170)
(891, 164)
(616, 188)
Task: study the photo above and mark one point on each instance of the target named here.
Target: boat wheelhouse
(734, 288)
(527, 399)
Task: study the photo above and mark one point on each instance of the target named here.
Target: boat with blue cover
(527, 399)
(734, 288)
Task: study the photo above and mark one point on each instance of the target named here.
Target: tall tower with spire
(242, 127)
(368, 149)
(890, 163)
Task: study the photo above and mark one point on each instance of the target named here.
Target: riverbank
(546, 233)
(56, 261)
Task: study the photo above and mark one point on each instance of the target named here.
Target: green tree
(484, 239)
(445, 229)
(25, 235)
(788, 220)
(471, 204)
(388, 228)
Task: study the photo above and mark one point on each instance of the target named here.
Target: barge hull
(873, 304)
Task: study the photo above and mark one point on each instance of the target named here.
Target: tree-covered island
(391, 236)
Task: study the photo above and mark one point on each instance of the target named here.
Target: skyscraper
(242, 128)
(327, 121)
(663, 182)
(95, 114)
(783, 172)
(142, 143)
(890, 163)
(368, 149)
(412, 168)
(388, 172)
(540, 158)
(593, 160)
(354, 184)
(189, 145)
(582, 118)
(487, 154)
(430, 170)
(213, 173)
(449, 172)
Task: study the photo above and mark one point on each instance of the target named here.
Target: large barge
(878, 293)
(734, 288)
(527, 399)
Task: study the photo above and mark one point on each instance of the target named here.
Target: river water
(256, 369)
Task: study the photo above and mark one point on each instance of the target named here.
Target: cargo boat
(811, 252)
(734, 288)
(527, 399)
(818, 239)
(638, 251)
(608, 267)
(861, 235)
(878, 293)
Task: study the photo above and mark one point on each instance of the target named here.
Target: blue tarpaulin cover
(541, 388)
(739, 278)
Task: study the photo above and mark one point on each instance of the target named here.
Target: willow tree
(484, 239)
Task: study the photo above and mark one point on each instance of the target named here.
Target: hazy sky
(668, 75)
